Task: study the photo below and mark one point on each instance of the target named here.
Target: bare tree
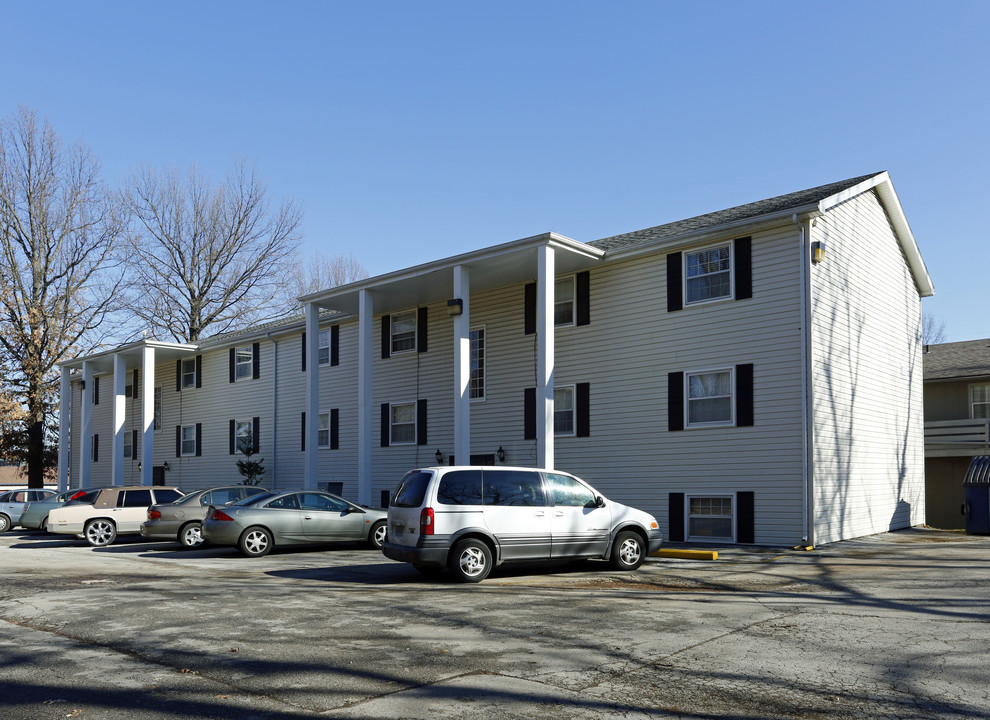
(208, 257)
(932, 329)
(59, 277)
(320, 272)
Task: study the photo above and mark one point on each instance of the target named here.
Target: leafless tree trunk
(320, 272)
(932, 329)
(59, 228)
(208, 258)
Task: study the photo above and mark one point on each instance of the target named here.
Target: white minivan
(468, 519)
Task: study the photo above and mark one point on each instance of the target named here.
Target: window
(477, 389)
(323, 430)
(460, 487)
(563, 305)
(134, 498)
(979, 399)
(710, 518)
(128, 446)
(708, 274)
(188, 440)
(709, 398)
(513, 488)
(189, 373)
(243, 363)
(563, 411)
(403, 425)
(324, 347)
(243, 435)
(404, 331)
(568, 492)
(96, 448)
(286, 502)
(158, 408)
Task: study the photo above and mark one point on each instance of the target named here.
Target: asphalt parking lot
(896, 625)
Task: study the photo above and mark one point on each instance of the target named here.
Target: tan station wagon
(115, 511)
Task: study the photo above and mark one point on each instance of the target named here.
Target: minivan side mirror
(599, 501)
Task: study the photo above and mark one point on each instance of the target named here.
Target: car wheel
(376, 538)
(628, 551)
(255, 542)
(100, 532)
(470, 561)
(44, 524)
(191, 535)
(4, 523)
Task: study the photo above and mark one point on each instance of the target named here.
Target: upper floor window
(478, 364)
(404, 331)
(709, 397)
(324, 347)
(979, 399)
(189, 373)
(563, 305)
(708, 274)
(243, 362)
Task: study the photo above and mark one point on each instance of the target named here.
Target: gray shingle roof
(791, 201)
(957, 360)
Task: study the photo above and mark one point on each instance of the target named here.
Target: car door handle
(307, 517)
(540, 513)
(558, 513)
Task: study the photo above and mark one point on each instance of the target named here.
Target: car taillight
(220, 515)
(154, 514)
(426, 521)
(78, 495)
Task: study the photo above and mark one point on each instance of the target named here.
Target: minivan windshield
(412, 489)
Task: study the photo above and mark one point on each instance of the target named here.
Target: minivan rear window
(412, 489)
(460, 487)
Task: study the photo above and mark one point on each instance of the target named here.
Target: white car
(468, 519)
(115, 511)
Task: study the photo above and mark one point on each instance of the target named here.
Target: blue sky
(411, 131)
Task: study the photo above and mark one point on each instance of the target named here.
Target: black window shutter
(675, 401)
(304, 352)
(256, 360)
(385, 424)
(583, 296)
(199, 439)
(256, 434)
(745, 518)
(178, 375)
(675, 517)
(582, 404)
(421, 334)
(675, 299)
(302, 434)
(421, 436)
(96, 448)
(135, 385)
(199, 371)
(335, 345)
(743, 252)
(529, 309)
(232, 365)
(386, 337)
(233, 437)
(96, 391)
(529, 413)
(178, 441)
(334, 429)
(744, 395)
(134, 444)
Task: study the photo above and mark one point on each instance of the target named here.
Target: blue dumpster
(977, 488)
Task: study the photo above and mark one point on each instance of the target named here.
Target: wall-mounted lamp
(165, 466)
(455, 307)
(139, 466)
(817, 251)
(500, 454)
(439, 456)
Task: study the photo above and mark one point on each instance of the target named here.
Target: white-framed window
(128, 446)
(323, 430)
(979, 401)
(404, 331)
(709, 397)
(710, 517)
(243, 363)
(158, 408)
(402, 430)
(189, 373)
(563, 410)
(477, 390)
(324, 347)
(243, 435)
(708, 274)
(563, 301)
(188, 440)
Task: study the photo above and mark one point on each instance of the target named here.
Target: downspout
(274, 343)
(807, 439)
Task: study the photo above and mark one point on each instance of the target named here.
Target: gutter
(807, 390)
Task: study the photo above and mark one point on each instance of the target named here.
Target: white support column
(544, 356)
(462, 367)
(86, 427)
(366, 415)
(312, 458)
(147, 415)
(64, 428)
(118, 412)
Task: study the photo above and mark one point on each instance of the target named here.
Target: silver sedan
(299, 517)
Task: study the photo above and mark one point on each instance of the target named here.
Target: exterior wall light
(439, 456)
(500, 454)
(455, 307)
(817, 251)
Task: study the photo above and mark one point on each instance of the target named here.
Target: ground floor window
(710, 517)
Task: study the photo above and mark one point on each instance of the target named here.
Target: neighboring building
(751, 375)
(957, 424)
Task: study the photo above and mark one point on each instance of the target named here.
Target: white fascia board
(128, 349)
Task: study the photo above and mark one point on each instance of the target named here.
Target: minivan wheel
(191, 535)
(628, 551)
(100, 532)
(255, 542)
(376, 537)
(470, 561)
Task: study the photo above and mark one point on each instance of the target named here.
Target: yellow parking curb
(687, 554)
